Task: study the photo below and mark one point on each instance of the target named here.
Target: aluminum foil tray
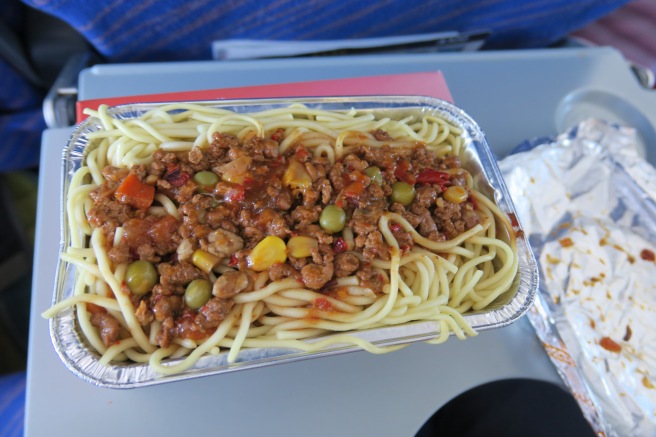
(80, 358)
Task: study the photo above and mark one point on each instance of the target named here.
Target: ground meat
(370, 278)
(114, 174)
(258, 195)
(186, 191)
(283, 200)
(469, 216)
(280, 271)
(336, 176)
(108, 326)
(312, 171)
(452, 162)
(316, 232)
(382, 157)
(311, 196)
(375, 192)
(143, 314)
(382, 135)
(179, 274)
(403, 239)
(278, 227)
(186, 249)
(315, 276)
(375, 247)
(165, 307)
(230, 284)
(109, 214)
(265, 147)
(253, 236)
(215, 217)
(214, 312)
(326, 190)
(447, 218)
(426, 224)
(306, 215)
(149, 238)
(323, 254)
(353, 162)
(120, 253)
(365, 221)
(140, 171)
(224, 243)
(346, 264)
(426, 195)
(297, 263)
(165, 333)
(195, 155)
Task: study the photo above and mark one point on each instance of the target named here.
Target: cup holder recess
(590, 103)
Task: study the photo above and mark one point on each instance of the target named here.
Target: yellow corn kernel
(269, 251)
(300, 245)
(204, 260)
(455, 194)
(296, 175)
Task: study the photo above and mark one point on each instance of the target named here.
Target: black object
(510, 408)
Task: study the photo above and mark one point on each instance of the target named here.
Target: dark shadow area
(510, 408)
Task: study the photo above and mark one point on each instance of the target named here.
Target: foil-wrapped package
(587, 202)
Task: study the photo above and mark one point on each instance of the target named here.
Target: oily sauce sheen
(261, 193)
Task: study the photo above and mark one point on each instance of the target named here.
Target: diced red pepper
(278, 135)
(135, 193)
(175, 176)
(235, 194)
(402, 174)
(340, 245)
(431, 176)
(301, 154)
(233, 261)
(395, 227)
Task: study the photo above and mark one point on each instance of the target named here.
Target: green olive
(197, 294)
(374, 174)
(206, 178)
(332, 219)
(140, 277)
(403, 193)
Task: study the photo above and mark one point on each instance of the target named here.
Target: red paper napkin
(431, 84)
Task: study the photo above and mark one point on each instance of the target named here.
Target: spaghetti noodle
(197, 230)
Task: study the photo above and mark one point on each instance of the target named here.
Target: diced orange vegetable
(269, 251)
(296, 176)
(300, 246)
(135, 193)
(354, 189)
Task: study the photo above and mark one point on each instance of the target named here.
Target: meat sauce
(260, 192)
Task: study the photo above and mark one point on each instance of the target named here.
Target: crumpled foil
(587, 203)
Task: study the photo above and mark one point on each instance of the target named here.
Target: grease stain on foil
(591, 220)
